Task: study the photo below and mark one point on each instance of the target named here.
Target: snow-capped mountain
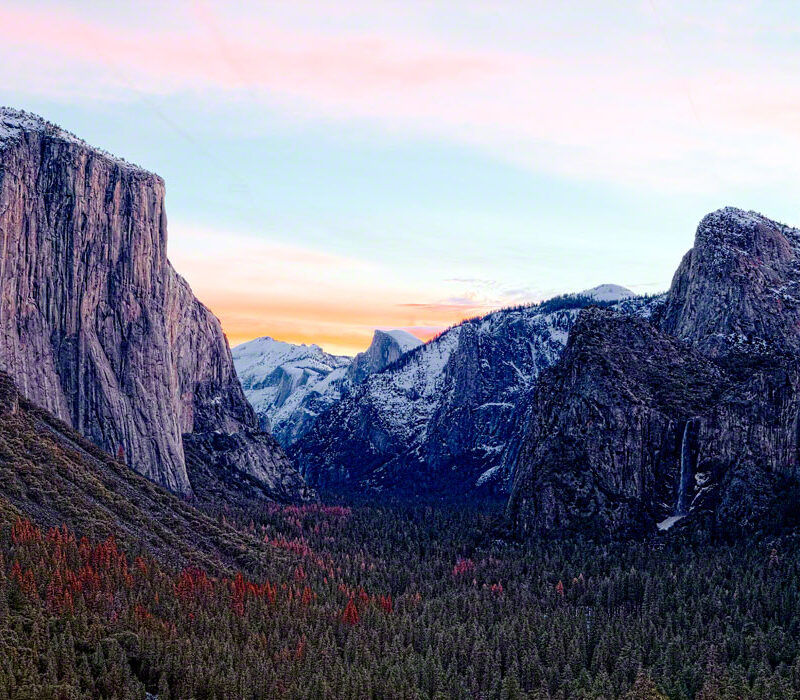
(608, 293)
(290, 385)
(447, 415)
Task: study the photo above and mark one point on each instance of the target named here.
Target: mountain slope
(694, 414)
(97, 327)
(386, 347)
(52, 475)
(604, 447)
(290, 385)
(445, 415)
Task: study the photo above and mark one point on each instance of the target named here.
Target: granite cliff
(98, 328)
(690, 416)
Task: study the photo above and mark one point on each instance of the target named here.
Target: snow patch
(667, 523)
(15, 123)
(404, 339)
(488, 474)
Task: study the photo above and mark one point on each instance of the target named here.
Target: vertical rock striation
(95, 324)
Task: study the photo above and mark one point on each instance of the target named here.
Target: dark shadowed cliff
(694, 414)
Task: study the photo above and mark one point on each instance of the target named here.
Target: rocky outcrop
(386, 347)
(603, 451)
(96, 326)
(740, 283)
(692, 416)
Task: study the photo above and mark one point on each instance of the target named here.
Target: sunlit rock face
(97, 327)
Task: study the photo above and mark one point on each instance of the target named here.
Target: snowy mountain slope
(405, 340)
(290, 385)
(446, 414)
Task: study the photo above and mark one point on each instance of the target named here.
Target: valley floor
(399, 601)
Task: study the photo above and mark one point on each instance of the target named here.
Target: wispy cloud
(676, 101)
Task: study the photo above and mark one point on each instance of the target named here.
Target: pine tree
(644, 689)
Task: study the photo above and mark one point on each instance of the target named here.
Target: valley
(590, 496)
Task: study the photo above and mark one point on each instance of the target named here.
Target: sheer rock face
(608, 440)
(603, 450)
(95, 325)
(740, 283)
(386, 347)
(748, 448)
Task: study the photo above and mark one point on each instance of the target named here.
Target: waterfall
(686, 471)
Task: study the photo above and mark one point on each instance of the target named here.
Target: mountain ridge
(445, 415)
(290, 385)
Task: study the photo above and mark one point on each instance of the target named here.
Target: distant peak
(407, 341)
(608, 292)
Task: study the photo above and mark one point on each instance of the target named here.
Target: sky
(336, 167)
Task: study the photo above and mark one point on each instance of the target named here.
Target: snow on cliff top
(730, 229)
(733, 216)
(13, 122)
(608, 292)
(16, 122)
(404, 339)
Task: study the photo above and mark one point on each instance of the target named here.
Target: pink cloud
(640, 111)
(262, 55)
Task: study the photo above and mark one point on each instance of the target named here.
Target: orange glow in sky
(338, 328)
(258, 287)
